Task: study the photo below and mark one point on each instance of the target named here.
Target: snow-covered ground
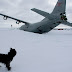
(50, 52)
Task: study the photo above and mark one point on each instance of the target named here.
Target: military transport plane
(50, 21)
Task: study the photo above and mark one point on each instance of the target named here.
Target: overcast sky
(21, 9)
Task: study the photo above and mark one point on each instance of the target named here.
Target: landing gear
(63, 16)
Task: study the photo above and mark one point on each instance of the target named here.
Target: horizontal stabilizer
(67, 23)
(45, 14)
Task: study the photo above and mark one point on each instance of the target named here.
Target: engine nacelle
(5, 18)
(17, 22)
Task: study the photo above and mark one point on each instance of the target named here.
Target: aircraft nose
(23, 27)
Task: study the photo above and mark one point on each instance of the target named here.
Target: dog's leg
(8, 66)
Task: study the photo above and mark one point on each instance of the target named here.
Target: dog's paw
(9, 68)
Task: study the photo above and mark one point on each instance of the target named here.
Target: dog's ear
(10, 48)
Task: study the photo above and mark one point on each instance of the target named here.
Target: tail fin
(60, 7)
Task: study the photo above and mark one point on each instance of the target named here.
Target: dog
(7, 58)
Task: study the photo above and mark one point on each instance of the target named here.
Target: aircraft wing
(17, 20)
(45, 14)
(67, 23)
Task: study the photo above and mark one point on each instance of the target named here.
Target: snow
(50, 52)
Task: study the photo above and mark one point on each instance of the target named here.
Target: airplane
(50, 21)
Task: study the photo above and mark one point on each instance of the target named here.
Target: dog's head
(12, 52)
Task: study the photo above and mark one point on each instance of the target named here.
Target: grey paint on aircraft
(50, 21)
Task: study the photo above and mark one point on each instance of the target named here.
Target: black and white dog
(7, 58)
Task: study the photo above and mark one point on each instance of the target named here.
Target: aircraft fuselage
(41, 27)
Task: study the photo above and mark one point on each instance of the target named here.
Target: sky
(21, 9)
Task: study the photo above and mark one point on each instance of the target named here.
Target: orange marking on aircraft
(58, 4)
